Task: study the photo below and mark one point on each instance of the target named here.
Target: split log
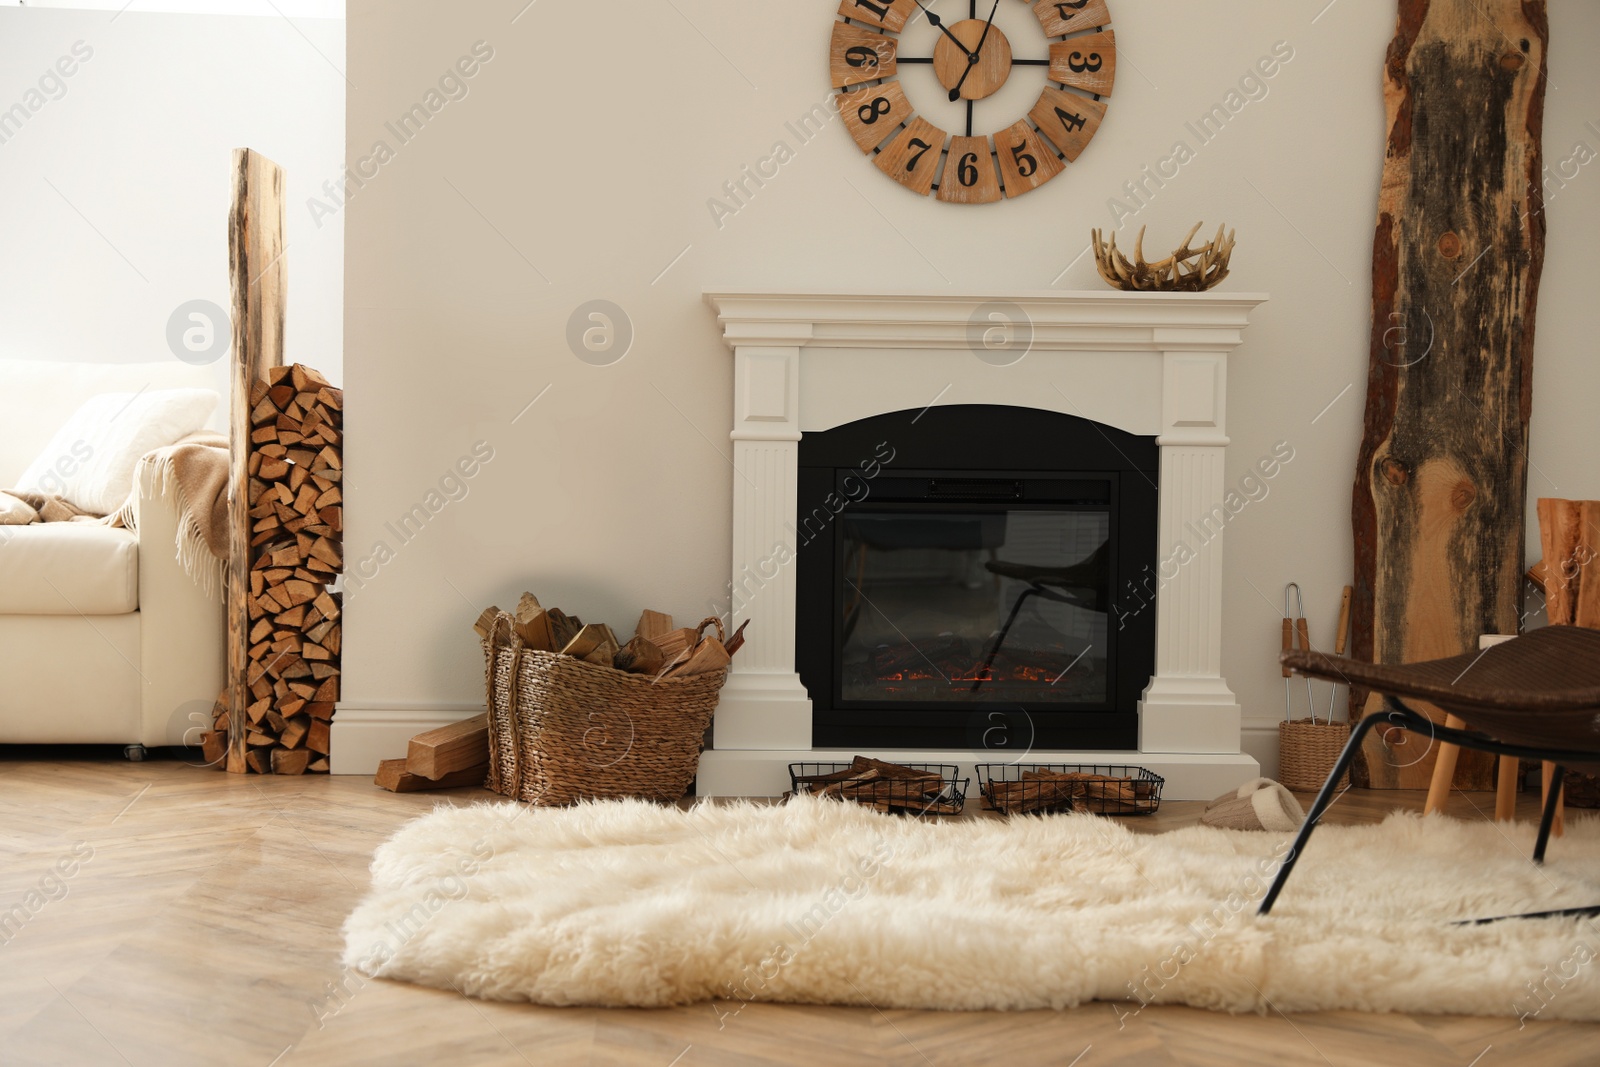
(1440, 488)
(639, 656)
(457, 747)
(394, 776)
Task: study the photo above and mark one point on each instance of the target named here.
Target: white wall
(114, 192)
(579, 166)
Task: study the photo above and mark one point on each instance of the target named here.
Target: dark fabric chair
(1534, 698)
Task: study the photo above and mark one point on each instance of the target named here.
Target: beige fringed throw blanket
(195, 472)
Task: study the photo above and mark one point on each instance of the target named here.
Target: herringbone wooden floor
(172, 915)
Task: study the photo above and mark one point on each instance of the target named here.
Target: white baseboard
(1259, 737)
(362, 735)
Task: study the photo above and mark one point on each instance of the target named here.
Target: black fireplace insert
(959, 572)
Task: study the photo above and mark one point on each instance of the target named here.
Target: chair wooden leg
(1444, 770)
(1547, 772)
(1505, 794)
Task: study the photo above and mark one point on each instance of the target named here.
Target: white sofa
(103, 636)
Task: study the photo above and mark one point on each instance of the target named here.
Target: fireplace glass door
(973, 591)
(985, 582)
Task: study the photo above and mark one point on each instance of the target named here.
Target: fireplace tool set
(1295, 635)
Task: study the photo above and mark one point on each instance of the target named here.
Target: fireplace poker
(1339, 643)
(1288, 644)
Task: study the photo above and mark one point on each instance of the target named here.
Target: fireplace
(1100, 397)
(958, 575)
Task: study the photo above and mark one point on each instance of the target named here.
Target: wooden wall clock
(971, 59)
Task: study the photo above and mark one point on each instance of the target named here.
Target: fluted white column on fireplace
(768, 707)
(1148, 363)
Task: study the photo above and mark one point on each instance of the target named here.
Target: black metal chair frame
(1402, 717)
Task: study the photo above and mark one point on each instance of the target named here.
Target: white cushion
(68, 568)
(90, 460)
(38, 395)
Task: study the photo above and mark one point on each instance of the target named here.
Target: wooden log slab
(1439, 497)
(436, 753)
(393, 776)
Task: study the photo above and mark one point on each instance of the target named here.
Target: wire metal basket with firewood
(895, 788)
(573, 714)
(1042, 788)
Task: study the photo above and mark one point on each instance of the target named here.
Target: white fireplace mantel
(1153, 364)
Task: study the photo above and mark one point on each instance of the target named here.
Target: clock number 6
(912, 165)
(871, 111)
(967, 171)
(862, 56)
(1026, 163)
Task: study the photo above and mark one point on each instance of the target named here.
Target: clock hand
(972, 59)
(937, 23)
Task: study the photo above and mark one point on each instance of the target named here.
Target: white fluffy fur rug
(629, 903)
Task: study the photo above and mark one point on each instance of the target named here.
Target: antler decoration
(1187, 270)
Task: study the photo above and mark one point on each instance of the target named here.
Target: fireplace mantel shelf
(1061, 320)
(1149, 363)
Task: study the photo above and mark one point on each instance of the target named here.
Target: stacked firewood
(886, 787)
(296, 470)
(1047, 790)
(657, 647)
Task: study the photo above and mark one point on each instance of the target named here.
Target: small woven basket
(1307, 751)
(562, 730)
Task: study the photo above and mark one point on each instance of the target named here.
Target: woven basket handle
(491, 646)
(712, 620)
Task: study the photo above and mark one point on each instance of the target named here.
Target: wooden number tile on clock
(1088, 63)
(1026, 162)
(1067, 119)
(912, 159)
(889, 15)
(1060, 18)
(969, 174)
(871, 115)
(857, 55)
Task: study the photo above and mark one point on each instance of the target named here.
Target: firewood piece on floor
(393, 776)
(214, 747)
(436, 753)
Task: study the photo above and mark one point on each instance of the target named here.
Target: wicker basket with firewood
(574, 715)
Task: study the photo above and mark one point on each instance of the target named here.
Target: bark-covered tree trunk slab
(1440, 491)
